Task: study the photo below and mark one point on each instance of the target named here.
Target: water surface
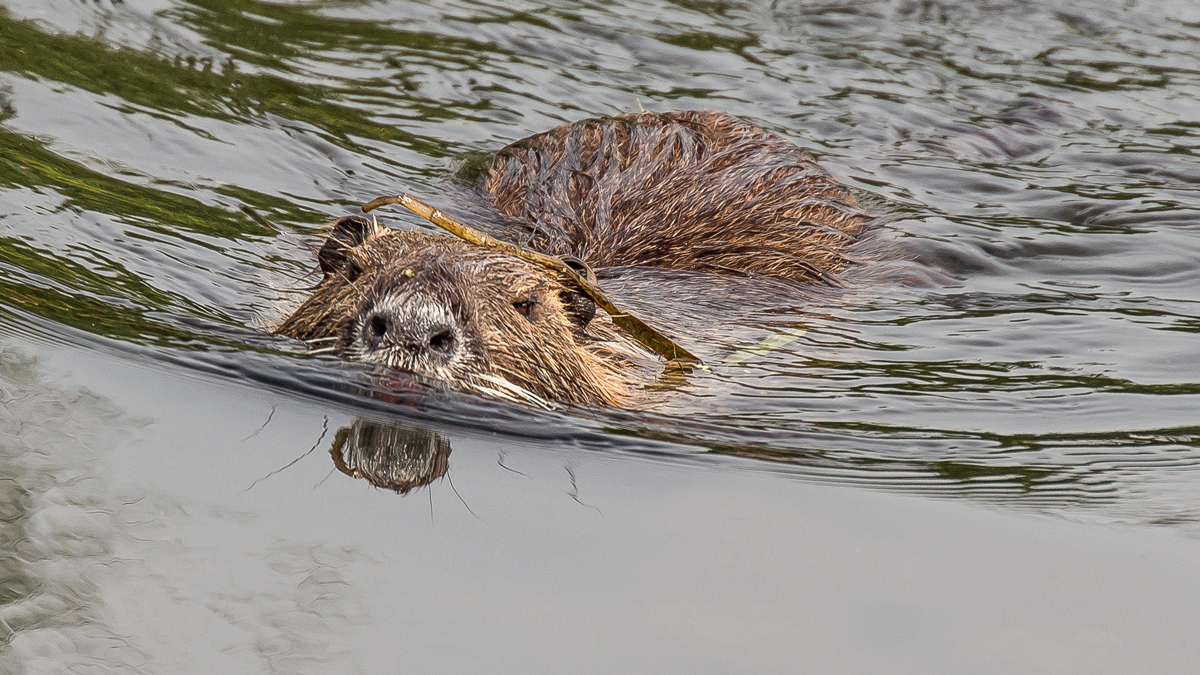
(982, 459)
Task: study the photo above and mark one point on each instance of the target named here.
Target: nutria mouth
(699, 191)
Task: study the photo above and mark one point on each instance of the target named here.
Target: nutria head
(445, 310)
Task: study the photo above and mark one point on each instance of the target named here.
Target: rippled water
(1029, 340)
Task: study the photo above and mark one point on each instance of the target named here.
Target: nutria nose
(418, 331)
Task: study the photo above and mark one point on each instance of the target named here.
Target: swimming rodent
(696, 190)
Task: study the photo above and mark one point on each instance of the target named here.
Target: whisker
(523, 393)
(492, 393)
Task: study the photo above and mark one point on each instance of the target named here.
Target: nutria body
(699, 190)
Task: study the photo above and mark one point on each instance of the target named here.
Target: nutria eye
(524, 307)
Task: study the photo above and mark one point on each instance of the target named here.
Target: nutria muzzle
(415, 317)
(409, 334)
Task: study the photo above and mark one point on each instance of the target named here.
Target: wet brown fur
(698, 190)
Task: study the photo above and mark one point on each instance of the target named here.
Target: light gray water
(987, 460)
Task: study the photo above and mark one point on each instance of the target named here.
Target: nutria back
(696, 190)
(699, 191)
(452, 312)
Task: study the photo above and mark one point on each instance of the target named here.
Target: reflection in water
(392, 455)
(406, 455)
(1015, 485)
(57, 524)
(100, 576)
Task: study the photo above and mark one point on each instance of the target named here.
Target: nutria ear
(580, 307)
(347, 232)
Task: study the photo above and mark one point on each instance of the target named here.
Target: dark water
(984, 458)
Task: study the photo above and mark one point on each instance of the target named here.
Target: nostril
(442, 341)
(377, 326)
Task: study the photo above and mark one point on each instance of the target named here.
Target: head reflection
(392, 455)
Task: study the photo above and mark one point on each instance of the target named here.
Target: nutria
(392, 455)
(697, 190)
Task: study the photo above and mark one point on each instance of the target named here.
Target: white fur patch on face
(415, 319)
(421, 312)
